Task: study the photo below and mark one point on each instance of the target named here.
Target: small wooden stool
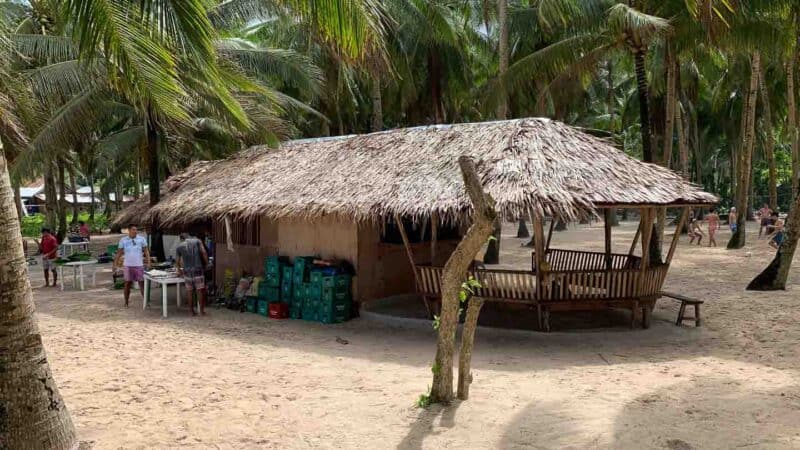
(686, 301)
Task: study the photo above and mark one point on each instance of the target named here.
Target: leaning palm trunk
(777, 272)
(791, 121)
(453, 275)
(769, 145)
(746, 153)
(32, 412)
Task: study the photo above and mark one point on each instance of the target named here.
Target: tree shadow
(426, 423)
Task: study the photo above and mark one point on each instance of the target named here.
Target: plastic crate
(295, 311)
(251, 304)
(272, 295)
(315, 277)
(287, 272)
(286, 293)
(272, 280)
(342, 281)
(263, 307)
(279, 310)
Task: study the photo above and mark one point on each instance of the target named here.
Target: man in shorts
(191, 260)
(136, 255)
(765, 220)
(49, 250)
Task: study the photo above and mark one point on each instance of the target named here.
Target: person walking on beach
(695, 232)
(732, 220)
(191, 262)
(765, 220)
(49, 249)
(713, 226)
(135, 254)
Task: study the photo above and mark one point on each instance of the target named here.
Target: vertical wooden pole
(550, 233)
(434, 236)
(677, 235)
(607, 228)
(407, 245)
(647, 233)
(636, 237)
(538, 244)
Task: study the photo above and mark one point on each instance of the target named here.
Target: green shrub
(32, 225)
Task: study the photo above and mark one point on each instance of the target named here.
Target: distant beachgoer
(732, 220)
(136, 255)
(49, 250)
(191, 262)
(695, 232)
(713, 226)
(778, 235)
(765, 219)
(84, 231)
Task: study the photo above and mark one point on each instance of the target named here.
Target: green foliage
(32, 224)
(424, 400)
(436, 322)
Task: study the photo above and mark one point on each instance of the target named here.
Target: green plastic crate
(272, 279)
(315, 277)
(295, 311)
(342, 281)
(287, 272)
(286, 292)
(263, 307)
(272, 295)
(251, 304)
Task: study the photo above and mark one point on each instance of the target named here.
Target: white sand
(134, 380)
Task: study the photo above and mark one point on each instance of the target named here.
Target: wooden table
(164, 282)
(77, 268)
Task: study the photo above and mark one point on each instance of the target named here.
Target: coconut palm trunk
(153, 142)
(50, 203)
(744, 165)
(74, 186)
(62, 201)
(776, 274)
(791, 120)
(683, 147)
(769, 144)
(32, 413)
(644, 104)
(377, 104)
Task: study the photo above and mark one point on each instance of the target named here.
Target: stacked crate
(299, 286)
(335, 299)
(270, 287)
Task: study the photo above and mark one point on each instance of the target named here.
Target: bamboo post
(677, 235)
(636, 237)
(407, 245)
(434, 236)
(538, 244)
(607, 228)
(550, 233)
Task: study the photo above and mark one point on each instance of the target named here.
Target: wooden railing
(560, 260)
(557, 285)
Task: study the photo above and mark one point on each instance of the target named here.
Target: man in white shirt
(135, 253)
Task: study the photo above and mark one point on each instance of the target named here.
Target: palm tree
(34, 414)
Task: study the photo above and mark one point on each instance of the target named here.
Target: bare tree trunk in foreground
(453, 275)
(774, 277)
(467, 341)
(746, 156)
(32, 413)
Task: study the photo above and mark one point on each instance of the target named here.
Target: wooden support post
(646, 224)
(636, 237)
(550, 233)
(538, 245)
(676, 237)
(434, 236)
(607, 228)
(407, 245)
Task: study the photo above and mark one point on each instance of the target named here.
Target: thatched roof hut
(526, 165)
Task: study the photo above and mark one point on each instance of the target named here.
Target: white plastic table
(164, 282)
(71, 246)
(77, 269)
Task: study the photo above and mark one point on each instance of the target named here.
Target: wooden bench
(686, 301)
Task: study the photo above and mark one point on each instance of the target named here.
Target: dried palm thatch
(525, 164)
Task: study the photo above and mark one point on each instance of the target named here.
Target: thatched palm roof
(525, 164)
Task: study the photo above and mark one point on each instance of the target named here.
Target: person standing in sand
(49, 250)
(135, 254)
(732, 220)
(695, 232)
(765, 220)
(713, 226)
(191, 262)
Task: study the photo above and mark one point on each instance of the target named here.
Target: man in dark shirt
(191, 262)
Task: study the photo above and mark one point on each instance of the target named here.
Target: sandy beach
(133, 379)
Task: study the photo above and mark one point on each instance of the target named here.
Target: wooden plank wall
(245, 258)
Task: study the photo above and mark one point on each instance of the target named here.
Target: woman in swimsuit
(695, 232)
(713, 226)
